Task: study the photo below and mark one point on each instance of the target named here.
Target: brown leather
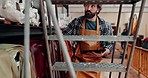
(88, 74)
(89, 57)
(89, 45)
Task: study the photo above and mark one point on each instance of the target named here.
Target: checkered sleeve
(72, 28)
(109, 31)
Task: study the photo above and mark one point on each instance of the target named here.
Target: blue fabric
(90, 25)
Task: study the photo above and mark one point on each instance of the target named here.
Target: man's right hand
(106, 52)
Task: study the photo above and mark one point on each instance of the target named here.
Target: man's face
(90, 10)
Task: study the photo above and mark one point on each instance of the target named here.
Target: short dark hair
(99, 6)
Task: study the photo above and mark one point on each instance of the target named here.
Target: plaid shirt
(105, 27)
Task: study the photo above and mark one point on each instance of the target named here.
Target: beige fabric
(7, 62)
(8, 68)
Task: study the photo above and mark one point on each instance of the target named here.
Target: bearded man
(90, 51)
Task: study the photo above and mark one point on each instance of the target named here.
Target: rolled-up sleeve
(106, 29)
(110, 44)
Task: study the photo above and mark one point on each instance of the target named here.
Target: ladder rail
(61, 40)
(137, 29)
(118, 22)
(51, 43)
(129, 31)
(27, 73)
(46, 39)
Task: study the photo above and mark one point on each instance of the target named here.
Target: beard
(89, 14)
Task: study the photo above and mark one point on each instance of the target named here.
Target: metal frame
(27, 73)
(45, 34)
(119, 16)
(129, 30)
(94, 1)
(61, 39)
(136, 34)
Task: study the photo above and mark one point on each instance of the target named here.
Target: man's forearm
(110, 47)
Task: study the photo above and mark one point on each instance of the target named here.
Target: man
(145, 43)
(124, 33)
(123, 43)
(90, 24)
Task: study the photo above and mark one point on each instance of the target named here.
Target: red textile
(39, 56)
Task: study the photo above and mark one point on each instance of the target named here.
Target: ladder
(73, 66)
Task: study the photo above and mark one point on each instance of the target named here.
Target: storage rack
(86, 66)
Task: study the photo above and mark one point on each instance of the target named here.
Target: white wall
(144, 25)
(113, 18)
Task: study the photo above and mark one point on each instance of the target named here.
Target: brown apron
(88, 57)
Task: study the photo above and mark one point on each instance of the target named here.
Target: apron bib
(87, 57)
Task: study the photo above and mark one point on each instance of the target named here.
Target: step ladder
(73, 66)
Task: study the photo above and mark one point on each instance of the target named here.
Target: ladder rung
(93, 38)
(82, 66)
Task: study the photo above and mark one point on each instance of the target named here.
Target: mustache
(88, 11)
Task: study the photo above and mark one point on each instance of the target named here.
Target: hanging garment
(135, 21)
(8, 65)
(79, 56)
(134, 27)
(59, 56)
(39, 56)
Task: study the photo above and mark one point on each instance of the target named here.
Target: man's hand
(106, 52)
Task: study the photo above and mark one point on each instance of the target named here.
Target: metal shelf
(106, 67)
(17, 30)
(94, 1)
(93, 38)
